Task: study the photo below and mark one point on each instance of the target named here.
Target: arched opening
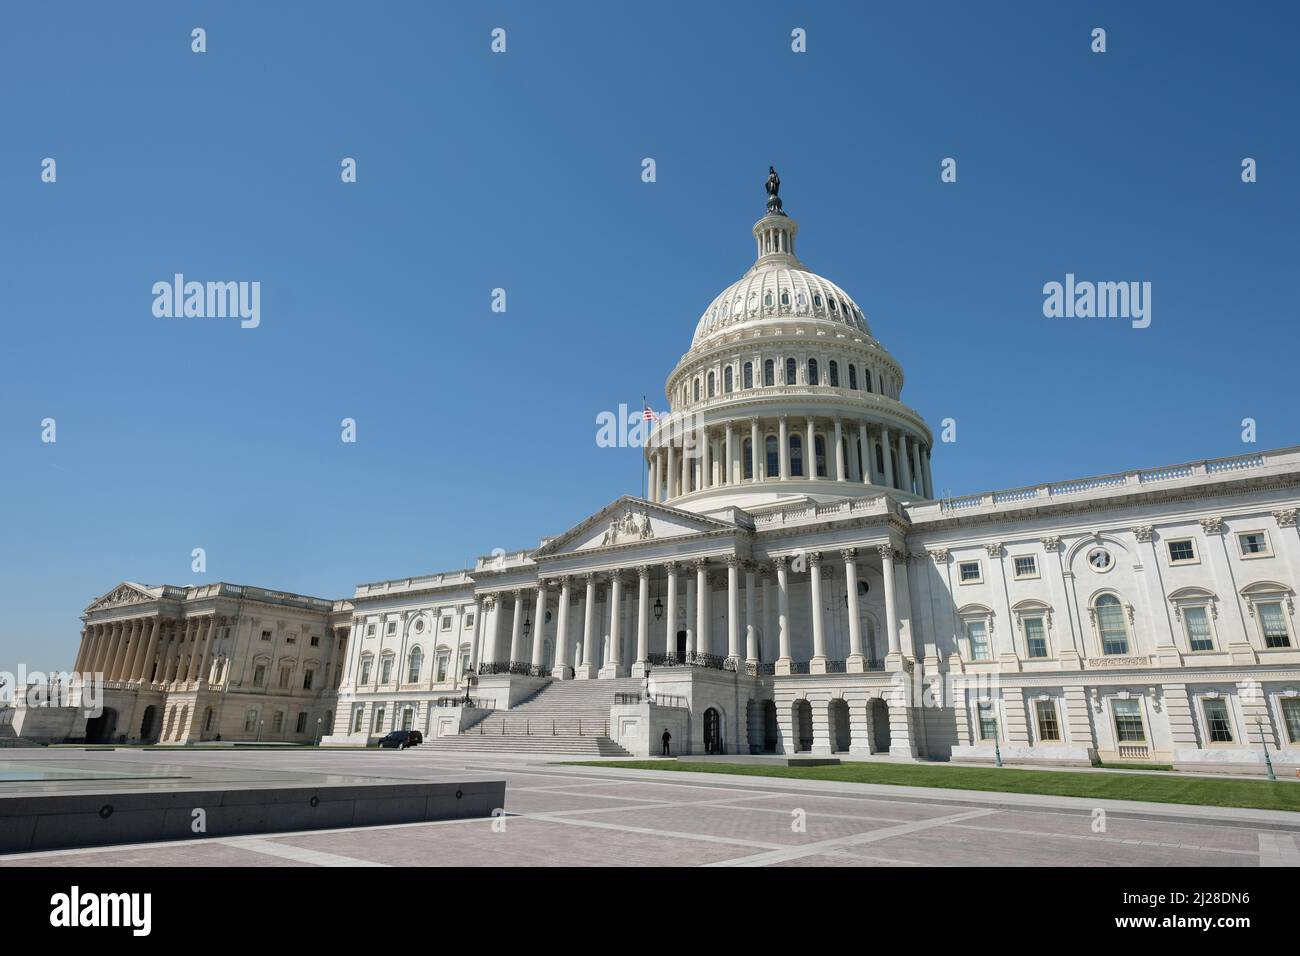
(712, 731)
(100, 730)
(813, 378)
(802, 725)
(728, 376)
(796, 456)
(791, 367)
(833, 371)
(841, 736)
(773, 449)
(747, 378)
(819, 446)
(147, 725)
(769, 373)
(853, 376)
(711, 386)
(771, 730)
(879, 726)
(747, 456)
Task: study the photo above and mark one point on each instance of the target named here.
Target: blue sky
(476, 430)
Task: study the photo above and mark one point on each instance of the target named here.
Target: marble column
(889, 458)
(904, 469)
(894, 660)
(205, 652)
(839, 452)
(143, 664)
(642, 621)
(733, 460)
(691, 605)
(476, 641)
(587, 669)
(562, 671)
(783, 662)
(103, 653)
(918, 476)
(492, 605)
(857, 662)
(702, 622)
(654, 477)
(612, 661)
(784, 450)
(753, 450)
(818, 663)
(119, 655)
(733, 608)
(200, 642)
(868, 459)
(751, 627)
(539, 625)
(517, 628)
(670, 613)
(706, 459)
(810, 452)
(670, 489)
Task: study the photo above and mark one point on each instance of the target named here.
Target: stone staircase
(564, 717)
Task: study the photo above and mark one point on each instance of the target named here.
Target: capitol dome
(785, 395)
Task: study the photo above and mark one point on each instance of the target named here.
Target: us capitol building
(788, 583)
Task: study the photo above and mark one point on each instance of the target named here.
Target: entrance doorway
(879, 726)
(681, 646)
(712, 732)
(803, 731)
(100, 730)
(148, 725)
(841, 736)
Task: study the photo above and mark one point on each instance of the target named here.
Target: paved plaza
(596, 816)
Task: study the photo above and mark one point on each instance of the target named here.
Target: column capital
(616, 576)
(672, 567)
(489, 601)
(1212, 525)
(544, 584)
(940, 555)
(1051, 543)
(591, 577)
(994, 549)
(700, 564)
(814, 559)
(849, 554)
(1143, 532)
(885, 551)
(732, 561)
(780, 561)
(1286, 518)
(643, 570)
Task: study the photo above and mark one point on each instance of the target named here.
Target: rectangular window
(969, 572)
(988, 722)
(1181, 552)
(1253, 544)
(1198, 629)
(358, 716)
(442, 667)
(1274, 625)
(1291, 717)
(978, 635)
(307, 677)
(286, 673)
(1128, 721)
(315, 640)
(259, 675)
(365, 672)
(370, 630)
(390, 628)
(1216, 720)
(379, 720)
(1026, 566)
(250, 721)
(1049, 728)
(291, 639)
(385, 670)
(1035, 637)
(266, 635)
(446, 623)
(301, 726)
(408, 718)
(277, 722)
(469, 621)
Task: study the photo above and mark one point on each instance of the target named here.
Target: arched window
(414, 663)
(747, 378)
(767, 299)
(796, 456)
(790, 367)
(785, 299)
(697, 390)
(747, 452)
(711, 384)
(833, 370)
(769, 373)
(819, 446)
(832, 302)
(853, 376)
(773, 457)
(812, 372)
(866, 379)
(1112, 630)
(727, 379)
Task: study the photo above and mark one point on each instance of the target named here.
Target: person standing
(667, 737)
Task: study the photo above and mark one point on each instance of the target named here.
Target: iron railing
(531, 727)
(661, 700)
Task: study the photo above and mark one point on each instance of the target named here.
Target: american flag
(647, 413)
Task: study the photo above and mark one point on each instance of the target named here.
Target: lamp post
(1268, 763)
(318, 728)
(997, 749)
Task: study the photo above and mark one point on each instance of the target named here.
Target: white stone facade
(790, 580)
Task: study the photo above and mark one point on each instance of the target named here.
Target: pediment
(630, 521)
(123, 595)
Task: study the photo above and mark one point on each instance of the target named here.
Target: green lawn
(1162, 788)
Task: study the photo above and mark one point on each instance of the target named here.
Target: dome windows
(800, 300)
(728, 376)
(833, 370)
(853, 376)
(697, 390)
(769, 373)
(712, 384)
(813, 378)
(747, 376)
(785, 299)
(791, 367)
(817, 301)
(767, 300)
(832, 303)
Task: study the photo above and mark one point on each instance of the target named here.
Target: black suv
(401, 739)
